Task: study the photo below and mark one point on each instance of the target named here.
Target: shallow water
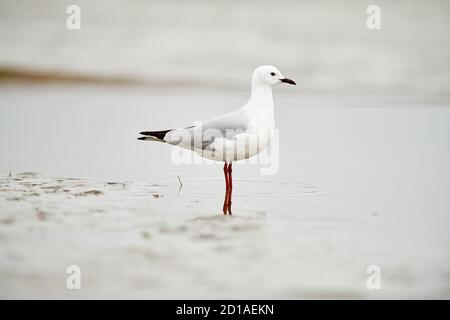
(362, 181)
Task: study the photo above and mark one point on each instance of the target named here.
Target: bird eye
(272, 74)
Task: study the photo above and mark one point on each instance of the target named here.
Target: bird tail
(154, 135)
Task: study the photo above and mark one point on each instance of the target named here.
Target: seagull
(234, 136)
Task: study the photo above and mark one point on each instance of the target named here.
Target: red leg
(225, 202)
(225, 172)
(230, 179)
(230, 186)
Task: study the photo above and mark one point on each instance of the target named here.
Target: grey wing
(227, 126)
(196, 137)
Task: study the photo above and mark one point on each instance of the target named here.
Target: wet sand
(362, 181)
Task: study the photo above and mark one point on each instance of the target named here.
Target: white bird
(234, 136)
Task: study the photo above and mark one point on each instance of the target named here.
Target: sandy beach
(362, 181)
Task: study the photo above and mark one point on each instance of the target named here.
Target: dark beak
(286, 80)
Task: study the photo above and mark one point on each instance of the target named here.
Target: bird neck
(260, 106)
(261, 94)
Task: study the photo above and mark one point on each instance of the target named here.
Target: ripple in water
(246, 188)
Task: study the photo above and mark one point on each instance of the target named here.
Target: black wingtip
(156, 134)
(141, 138)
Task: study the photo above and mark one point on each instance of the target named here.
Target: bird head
(269, 75)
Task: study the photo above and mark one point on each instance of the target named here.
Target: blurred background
(325, 44)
